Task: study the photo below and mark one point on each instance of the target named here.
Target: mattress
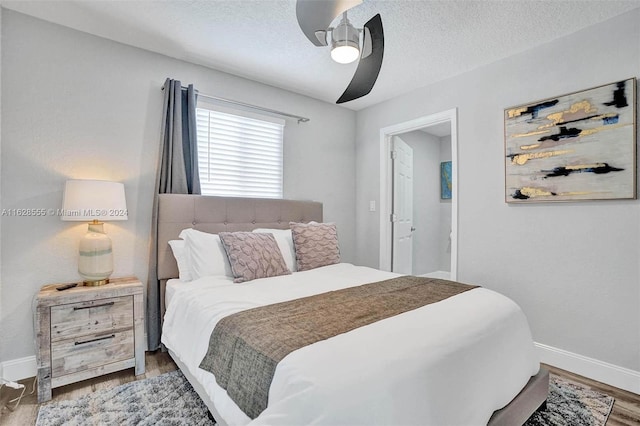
(451, 362)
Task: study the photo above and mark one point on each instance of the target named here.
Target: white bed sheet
(453, 362)
(170, 289)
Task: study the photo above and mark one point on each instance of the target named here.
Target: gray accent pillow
(316, 244)
(253, 255)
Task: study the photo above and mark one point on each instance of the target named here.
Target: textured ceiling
(425, 41)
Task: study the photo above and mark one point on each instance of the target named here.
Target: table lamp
(94, 201)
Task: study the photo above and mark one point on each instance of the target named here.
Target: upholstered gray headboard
(216, 214)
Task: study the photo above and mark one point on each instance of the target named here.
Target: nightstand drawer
(90, 351)
(91, 317)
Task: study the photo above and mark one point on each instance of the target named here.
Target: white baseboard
(18, 369)
(594, 369)
(600, 371)
(443, 275)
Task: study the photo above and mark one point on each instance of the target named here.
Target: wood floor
(626, 410)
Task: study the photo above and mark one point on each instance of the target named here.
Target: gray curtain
(177, 174)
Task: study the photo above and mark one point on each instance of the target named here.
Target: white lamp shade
(87, 200)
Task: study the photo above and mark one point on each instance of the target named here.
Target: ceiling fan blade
(369, 67)
(366, 43)
(322, 36)
(317, 15)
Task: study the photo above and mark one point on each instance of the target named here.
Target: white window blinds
(238, 155)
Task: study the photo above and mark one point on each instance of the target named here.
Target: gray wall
(79, 106)
(573, 267)
(1, 372)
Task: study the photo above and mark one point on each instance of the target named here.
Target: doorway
(418, 229)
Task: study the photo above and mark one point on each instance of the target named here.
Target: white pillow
(285, 242)
(179, 250)
(206, 254)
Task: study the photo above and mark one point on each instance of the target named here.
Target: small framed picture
(445, 180)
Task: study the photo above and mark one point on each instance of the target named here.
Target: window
(239, 155)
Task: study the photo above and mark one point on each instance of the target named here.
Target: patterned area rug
(169, 399)
(570, 404)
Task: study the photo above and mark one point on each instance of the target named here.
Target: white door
(402, 256)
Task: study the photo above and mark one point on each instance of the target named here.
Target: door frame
(386, 182)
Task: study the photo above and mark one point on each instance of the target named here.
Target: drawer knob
(76, 308)
(95, 340)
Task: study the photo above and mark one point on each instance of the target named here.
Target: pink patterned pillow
(316, 244)
(253, 255)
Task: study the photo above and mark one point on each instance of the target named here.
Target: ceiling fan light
(344, 54)
(345, 42)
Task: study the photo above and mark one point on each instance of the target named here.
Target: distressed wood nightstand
(84, 332)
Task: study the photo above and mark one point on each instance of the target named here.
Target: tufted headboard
(216, 214)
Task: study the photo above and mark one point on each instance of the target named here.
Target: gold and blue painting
(445, 180)
(580, 146)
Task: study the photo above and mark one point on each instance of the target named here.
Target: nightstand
(84, 332)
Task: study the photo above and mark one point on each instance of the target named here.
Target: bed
(468, 359)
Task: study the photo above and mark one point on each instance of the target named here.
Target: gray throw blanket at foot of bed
(245, 348)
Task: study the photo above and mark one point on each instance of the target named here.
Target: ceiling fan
(347, 43)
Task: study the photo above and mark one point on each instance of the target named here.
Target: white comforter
(449, 363)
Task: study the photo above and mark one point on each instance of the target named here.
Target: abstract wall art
(580, 146)
(445, 180)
